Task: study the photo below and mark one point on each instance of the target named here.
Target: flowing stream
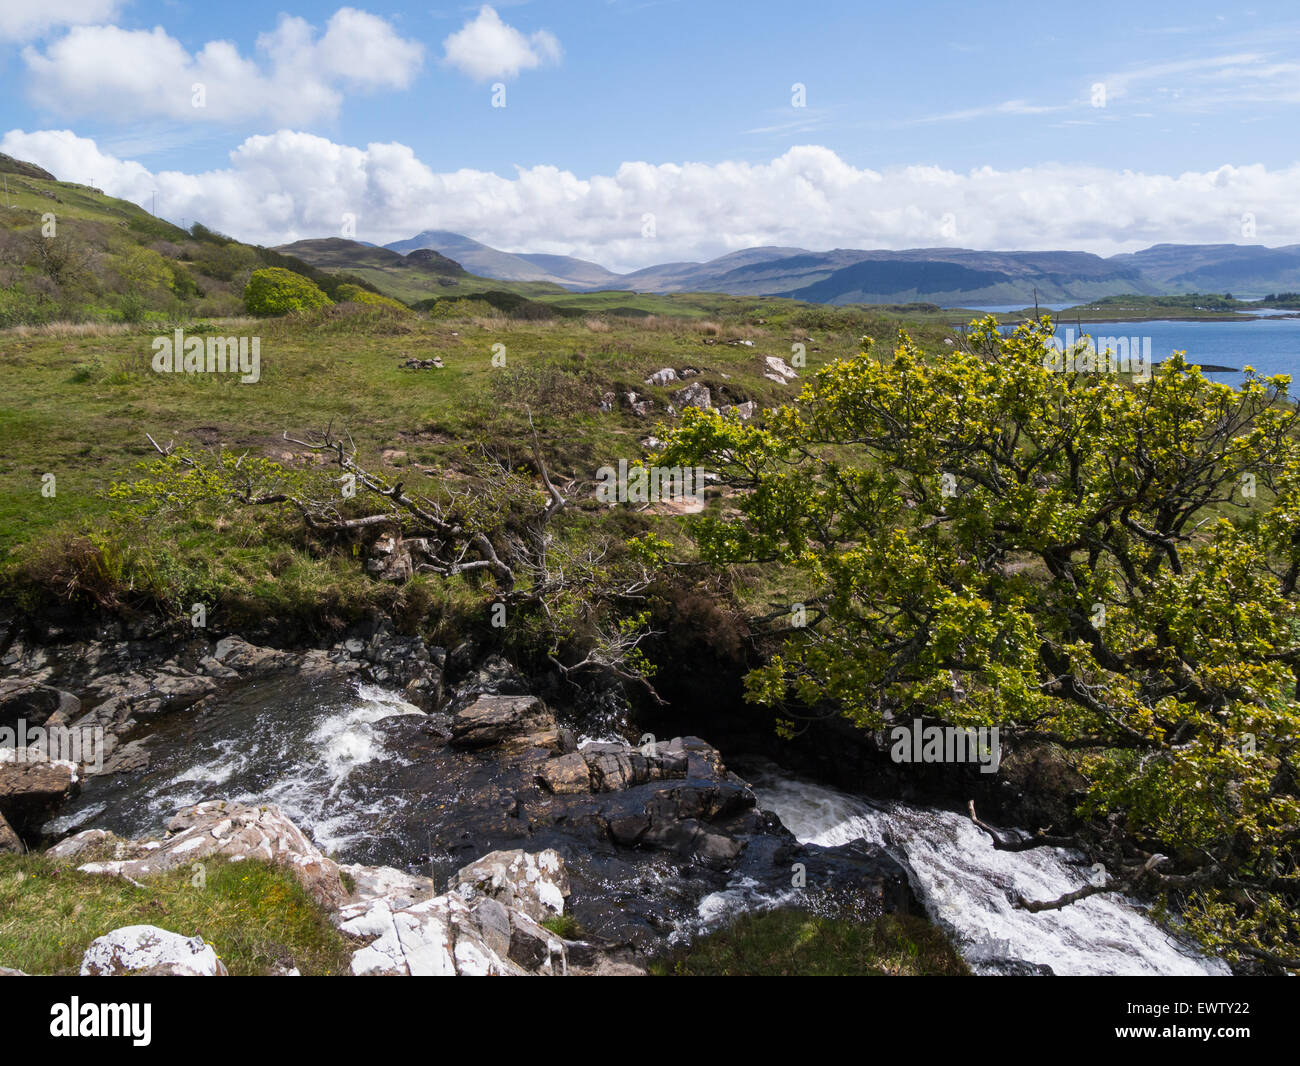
(968, 886)
(298, 744)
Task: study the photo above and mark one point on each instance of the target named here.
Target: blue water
(1271, 345)
(1005, 309)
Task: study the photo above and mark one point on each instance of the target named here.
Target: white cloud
(21, 20)
(129, 75)
(289, 185)
(485, 47)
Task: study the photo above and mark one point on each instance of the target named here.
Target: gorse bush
(276, 291)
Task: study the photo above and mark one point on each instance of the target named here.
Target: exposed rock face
(662, 377)
(31, 786)
(694, 395)
(533, 883)
(33, 702)
(445, 936)
(779, 370)
(147, 951)
(494, 720)
(218, 828)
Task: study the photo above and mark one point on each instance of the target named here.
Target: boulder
(662, 377)
(613, 766)
(493, 720)
(566, 775)
(237, 654)
(695, 394)
(535, 883)
(34, 703)
(236, 831)
(89, 840)
(147, 951)
(390, 559)
(32, 785)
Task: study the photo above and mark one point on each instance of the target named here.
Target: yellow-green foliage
(356, 294)
(276, 291)
(1103, 562)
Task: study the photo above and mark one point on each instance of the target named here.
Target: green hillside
(70, 253)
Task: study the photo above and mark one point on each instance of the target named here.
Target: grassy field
(257, 918)
(79, 403)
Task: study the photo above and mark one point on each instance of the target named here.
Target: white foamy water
(315, 795)
(280, 743)
(968, 887)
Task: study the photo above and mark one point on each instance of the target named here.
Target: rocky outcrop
(34, 703)
(662, 377)
(534, 883)
(446, 936)
(31, 786)
(234, 831)
(694, 395)
(147, 951)
(778, 370)
(516, 721)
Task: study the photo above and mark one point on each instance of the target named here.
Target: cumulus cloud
(289, 185)
(485, 47)
(21, 20)
(296, 76)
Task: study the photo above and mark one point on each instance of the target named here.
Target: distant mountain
(505, 266)
(337, 252)
(1241, 269)
(949, 276)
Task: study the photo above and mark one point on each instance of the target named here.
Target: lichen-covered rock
(445, 937)
(694, 395)
(778, 370)
(146, 950)
(236, 831)
(535, 883)
(662, 377)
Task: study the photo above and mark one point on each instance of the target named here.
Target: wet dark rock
(30, 701)
(493, 720)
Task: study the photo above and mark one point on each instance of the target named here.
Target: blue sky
(1200, 106)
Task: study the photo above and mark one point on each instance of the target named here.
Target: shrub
(357, 295)
(275, 291)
